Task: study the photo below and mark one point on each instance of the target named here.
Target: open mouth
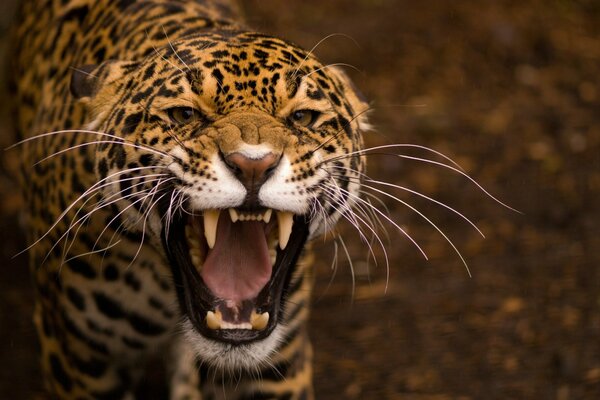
(232, 267)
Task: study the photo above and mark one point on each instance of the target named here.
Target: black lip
(195, 299)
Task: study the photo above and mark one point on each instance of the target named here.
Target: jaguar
(182, 164)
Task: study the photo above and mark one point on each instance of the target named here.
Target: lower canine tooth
(213, 321)
(286, 220)
(259, 321)
(211, 220)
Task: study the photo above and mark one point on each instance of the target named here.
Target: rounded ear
(87, 80)
(355, 98)
(83, 81)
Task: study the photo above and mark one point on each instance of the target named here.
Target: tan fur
(104, 294)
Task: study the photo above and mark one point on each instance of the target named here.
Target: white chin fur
(227, 357)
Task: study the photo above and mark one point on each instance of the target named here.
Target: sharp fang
(286, 220)
(234, 215)
(213, 321)
(267, 216)
(211, 219)
(259, 321)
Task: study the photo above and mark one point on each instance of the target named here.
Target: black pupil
(298, 115)
(186, 114)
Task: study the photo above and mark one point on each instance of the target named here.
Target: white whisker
(461, 173)
(376, 236)
(159, 181)
(84, 131)
(99, 142)
(144, 229)
(331, 65)
(163, 57)
(391, 146)
(315, 47)
(352, 217)
(367, 179)
(103, 203)
(173, 48)
(351, 266)
(393, 224)
(95, 187)
(429, 221)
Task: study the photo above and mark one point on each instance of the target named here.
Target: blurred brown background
(510, 90)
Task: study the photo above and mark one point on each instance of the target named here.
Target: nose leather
(252, 172)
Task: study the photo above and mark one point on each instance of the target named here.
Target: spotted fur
(97, 83)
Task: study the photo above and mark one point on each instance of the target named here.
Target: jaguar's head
(229, 152)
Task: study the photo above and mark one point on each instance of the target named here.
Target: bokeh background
(508, 89)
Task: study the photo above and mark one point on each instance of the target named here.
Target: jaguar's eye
(184, 115)
(304, 118)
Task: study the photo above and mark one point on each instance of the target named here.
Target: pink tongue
(238, 266)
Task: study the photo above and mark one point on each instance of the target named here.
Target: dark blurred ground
(510, 90)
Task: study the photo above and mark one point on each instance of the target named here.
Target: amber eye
(184, 115)
(304, 117)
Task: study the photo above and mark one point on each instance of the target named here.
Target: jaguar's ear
(355, 98)
(87, 80)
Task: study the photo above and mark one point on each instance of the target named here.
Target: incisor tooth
(213, 321)
(259, 321)
(234, 215)
(267, 216)
(211, 220)
(286, 220)
(230, 325)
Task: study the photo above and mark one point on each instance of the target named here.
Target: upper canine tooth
(259, 321)
(286, 220)
(267, 216)
(211, 220)
(234, 215)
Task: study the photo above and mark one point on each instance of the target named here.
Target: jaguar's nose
(252, 172)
